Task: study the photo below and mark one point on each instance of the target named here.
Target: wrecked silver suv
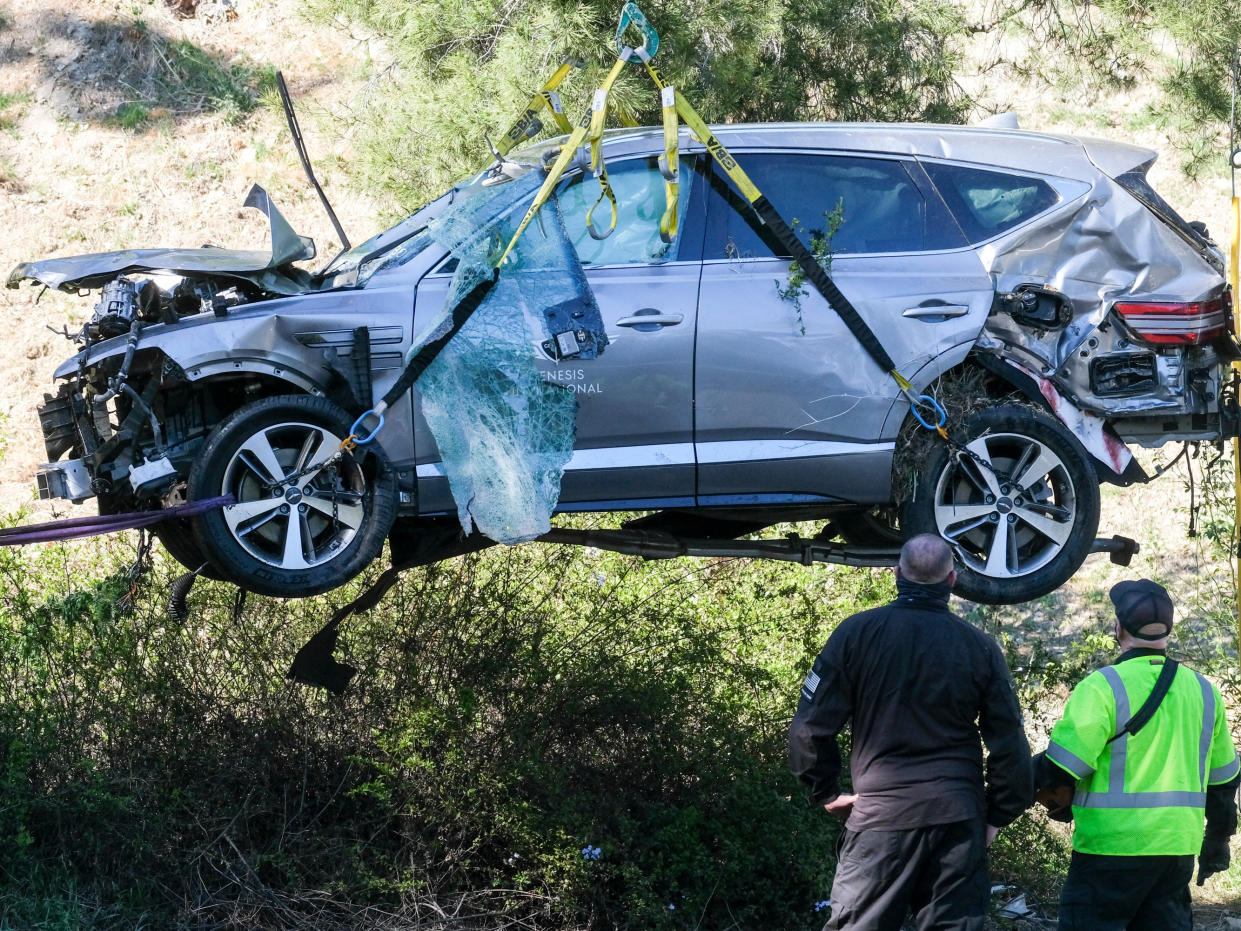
(1036, 285)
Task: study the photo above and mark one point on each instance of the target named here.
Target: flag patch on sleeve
(812, 682)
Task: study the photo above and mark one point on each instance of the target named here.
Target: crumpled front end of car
(126, 419)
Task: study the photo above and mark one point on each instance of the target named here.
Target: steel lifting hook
(631, 15)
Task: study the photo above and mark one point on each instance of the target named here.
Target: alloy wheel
(299, 504)
(1006, 504)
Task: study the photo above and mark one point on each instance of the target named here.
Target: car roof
(1006, 148)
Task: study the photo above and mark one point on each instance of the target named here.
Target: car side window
(877, 204)
(639, 189)
(985, 202)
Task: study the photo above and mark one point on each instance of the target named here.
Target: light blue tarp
(504, 433)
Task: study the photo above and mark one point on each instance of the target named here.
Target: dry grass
(74, 179)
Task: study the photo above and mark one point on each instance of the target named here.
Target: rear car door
(634, 445)
(789, 407)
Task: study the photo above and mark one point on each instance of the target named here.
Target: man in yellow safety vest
(1145, 747)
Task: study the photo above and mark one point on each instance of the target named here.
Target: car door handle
(937, 310)
(650, 317)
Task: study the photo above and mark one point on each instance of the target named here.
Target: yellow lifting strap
(594, 136)
(670, 164)
(575, 141)
(528, 125)
(675, 104)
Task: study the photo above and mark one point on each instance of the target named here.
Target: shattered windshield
(353, 257)
(400, 243)
(346, 269)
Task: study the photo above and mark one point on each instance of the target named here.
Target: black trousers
(938, 872)
(1127, 893)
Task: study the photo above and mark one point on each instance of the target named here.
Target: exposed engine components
(116, 383)
(194, 296)
(229, 297)
(151, 476)
(190, 296)
(58, 419)
(69, 479)
(122, 302)
(125, 300)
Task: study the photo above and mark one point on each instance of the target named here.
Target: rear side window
(881, 208)
(986, 203)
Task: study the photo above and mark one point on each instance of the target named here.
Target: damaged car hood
(272, 270)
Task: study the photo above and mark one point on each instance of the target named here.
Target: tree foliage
(1183, 49)
(459, 68)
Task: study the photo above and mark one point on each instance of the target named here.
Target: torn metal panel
(272, 271)
(1091, 431)
(1079, 257)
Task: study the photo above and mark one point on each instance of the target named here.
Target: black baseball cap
(1143, 608)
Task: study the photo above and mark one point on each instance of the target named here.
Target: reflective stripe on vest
(1225, 773)
(1140, 799)
(1116, 796)
(1208, 728)
(1069, 761)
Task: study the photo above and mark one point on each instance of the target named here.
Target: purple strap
(104, 523)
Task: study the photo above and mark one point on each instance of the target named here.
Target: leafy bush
(195, 78)
(549, 735)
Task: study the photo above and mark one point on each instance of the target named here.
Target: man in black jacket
(921, 687)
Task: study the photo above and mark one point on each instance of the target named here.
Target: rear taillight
(1189, 324)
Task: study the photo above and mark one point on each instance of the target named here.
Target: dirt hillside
(121, 127)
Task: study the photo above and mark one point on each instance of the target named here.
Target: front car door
(789, 407)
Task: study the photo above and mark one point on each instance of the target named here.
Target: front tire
(177, 537)
(306, 520)
(1017, 500)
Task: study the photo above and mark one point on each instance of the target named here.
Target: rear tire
(305, 521)
(1020, 507)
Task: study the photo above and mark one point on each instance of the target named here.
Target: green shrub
(457, 69)
(131, 115)
(515, 711)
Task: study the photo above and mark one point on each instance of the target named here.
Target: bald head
(925, 558)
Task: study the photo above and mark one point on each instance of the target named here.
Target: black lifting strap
(426, 355)
(413, 546)
(1151, 705)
